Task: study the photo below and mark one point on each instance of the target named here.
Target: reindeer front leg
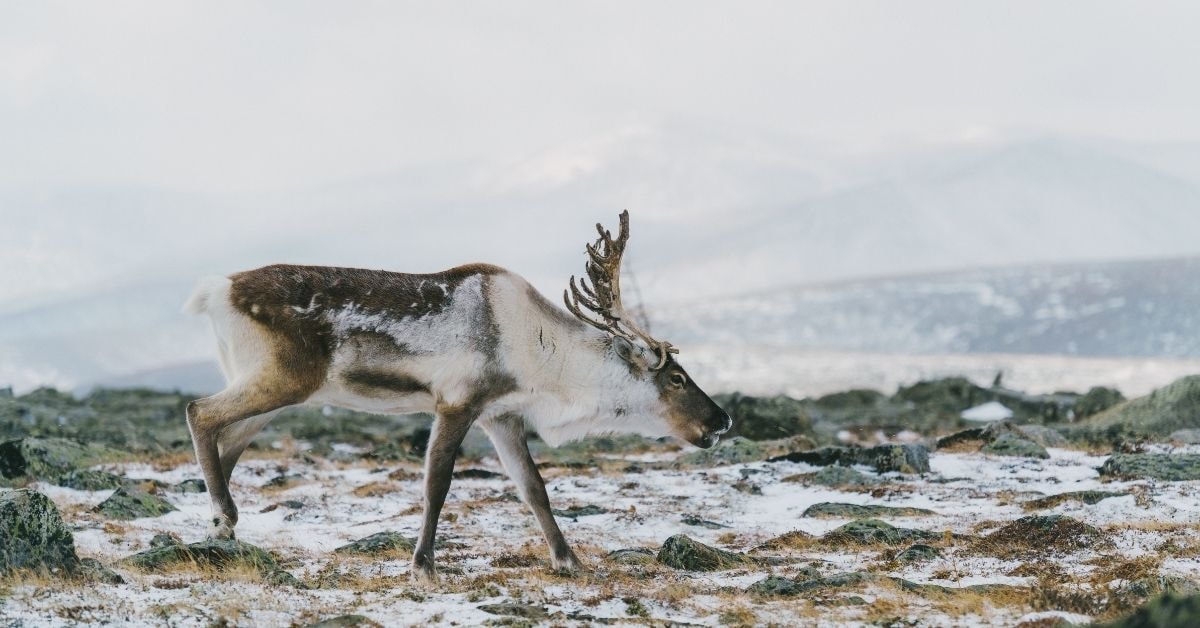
(447, 434)
(507, 433)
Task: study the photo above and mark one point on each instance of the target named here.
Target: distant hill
(1119, 309)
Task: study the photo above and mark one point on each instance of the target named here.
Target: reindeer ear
(625, 350)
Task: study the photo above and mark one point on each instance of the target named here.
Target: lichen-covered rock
(907, 458)
(1042, 435)
(1169, 467)
(1012, 445)
(832, 510)
(766, 418)
(836, 477)
(1096, 400)
(45, 458)
(33, 535)
(346, 621)
(1083, 497)
(692, 520)
(1166, 611)
(90, 480)
(217, 553)
(635, 556)
(729, 451)
(875, 532)
(682, 552)
(1173, 407)
(918, 553)
(515, 609)
(379, 543)
(574, 512)
(776, 586)
(190, 485)
(130, 502)
(1038, 535)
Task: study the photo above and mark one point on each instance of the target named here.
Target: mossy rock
(682, 552)
(1012, 445)
(908, 458)
(854, 399)
(1083, 497)
(1169, 467)
(1097, 400)
(216, 553)
(516, 609)
(776, 586)
(47, 458)
(766, 418)
(876, 532)
(1175, 406)
(346, 621)
(836, 477)
(33, 535)
(918, 553)
(832, 510)
(735, 450)
(130, 502)
(91, 480)
(1038, 535)
(190, 485)
(1166, 611)
(574, 512)
(379, 543)
(635, 556)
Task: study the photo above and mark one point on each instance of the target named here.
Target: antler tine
(603, 295)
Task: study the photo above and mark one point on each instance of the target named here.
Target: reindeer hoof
(568, 565)
(221, 529)
(423, 573)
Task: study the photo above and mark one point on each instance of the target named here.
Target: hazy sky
(138, 136)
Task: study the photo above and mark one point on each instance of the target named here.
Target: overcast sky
(142, 136)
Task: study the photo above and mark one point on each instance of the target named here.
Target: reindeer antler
(603, 296)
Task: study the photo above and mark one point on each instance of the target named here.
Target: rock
(217, 553)
(190, 485)
(775, 586)
(133, 503)
(164, 539)
(346, 621)
(1187, 437)
(95, 571)
(513, 609)
(766, 418)
(918, 553)
(1085, 497)
(1166, 611)
(837, 477)
(1042, 435)
(477, 474)
(1173, 407)
(33, 535)
(948, 398)
(45, 458)
(693, 520)
(88, 480)
(681, 552)
(283, 480)
(1010, 445)
(908, 458)
(1096, 400)
(1039, 534)
(875, 532)
(636, 556)
(379, 543)
(856, 399)
(1168, 467)
(832, 510)
(574, 512)
(730, 451)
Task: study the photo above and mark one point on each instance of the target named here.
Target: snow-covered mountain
(1128, 309)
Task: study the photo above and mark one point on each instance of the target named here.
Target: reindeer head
(685, 410)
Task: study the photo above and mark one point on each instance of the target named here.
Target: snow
(988, 412)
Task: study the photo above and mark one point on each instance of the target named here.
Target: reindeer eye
(677, 379)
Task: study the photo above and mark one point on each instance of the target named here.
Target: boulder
(766, 418)
(918, 553)
(130, 502)
(836, 477)
(46, 458)
(1001, 438)
(190, 485)
(729, 451)
(1012, 445)
(1173, 407)
(379, 543)
(217, 553)
(33, 535)
(876, 532)
(1169, 467)
(831, 510)
(908, 458)
(90, 480)
(682, 552)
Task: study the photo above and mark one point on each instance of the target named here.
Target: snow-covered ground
(495, 553)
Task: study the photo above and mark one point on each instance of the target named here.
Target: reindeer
(475, 344)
